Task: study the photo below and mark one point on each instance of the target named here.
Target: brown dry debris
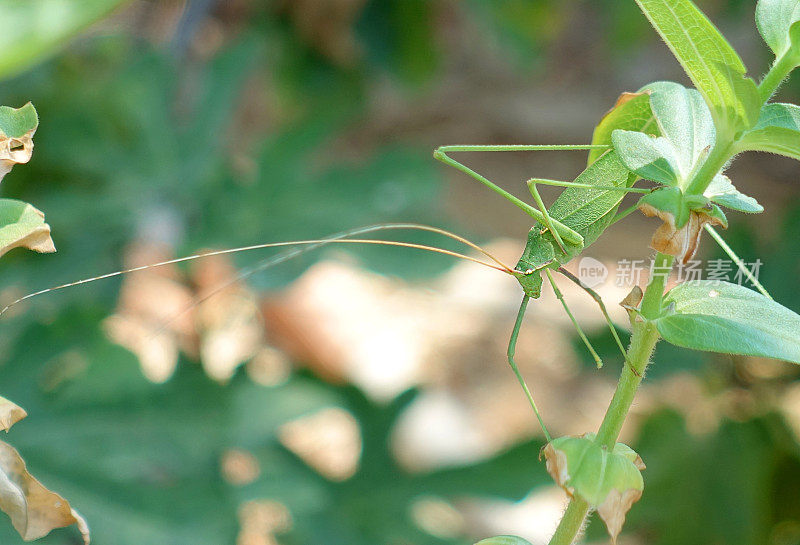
(681, 243)
(556, 464)
(36, 238)
(34, 510)
(159, 316)
(10, 413)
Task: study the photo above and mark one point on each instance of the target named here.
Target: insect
(587, 206)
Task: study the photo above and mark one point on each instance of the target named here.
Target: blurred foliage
(735, 485)
(246, 143)
(33, 29)
(143, 461)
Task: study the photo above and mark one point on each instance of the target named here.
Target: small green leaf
(670, 201)
(631, 113)
(710, 62)
(610, 482)
(17, 122)
(504, 540)
(22, 225)
(685, 120)
(777, 131)
(651, 157)
(722, 192)
(774, 19)
(731, 319)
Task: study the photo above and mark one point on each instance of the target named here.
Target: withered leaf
(22, 225)
(10, 413)
(34, 510)
(679, 242)
(17, 127)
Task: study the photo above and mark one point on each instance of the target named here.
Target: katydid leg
(581, 334)
(512, 349)
(563, 231)
(548, 221)
(599, 300)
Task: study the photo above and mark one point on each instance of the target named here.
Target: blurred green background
(372, 404)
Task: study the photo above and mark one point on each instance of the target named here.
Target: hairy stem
(643, 341)
(777, 74)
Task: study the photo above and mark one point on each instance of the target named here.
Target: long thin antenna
(314, 243)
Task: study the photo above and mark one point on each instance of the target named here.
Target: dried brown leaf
(24, 227)
(556, 464)
(34, 510)
(616, 507)
(10, 413)
(681, 243)
(14, 151)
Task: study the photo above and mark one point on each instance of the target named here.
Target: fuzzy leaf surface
(774, 19)
(504, 540)
(777, 131)
(730, 319)
(631, 113)
(721, 191)
(708, 59)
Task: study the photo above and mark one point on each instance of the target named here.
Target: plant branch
(777, 74)
(643, 342)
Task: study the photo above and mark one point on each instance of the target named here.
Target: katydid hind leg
(549, 222)
(562, 231)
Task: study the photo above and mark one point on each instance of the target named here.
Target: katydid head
(538, 254)
(531, 282)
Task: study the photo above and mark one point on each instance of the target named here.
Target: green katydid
(581, 213)
(590, 204)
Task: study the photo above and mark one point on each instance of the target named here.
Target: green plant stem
(714, 163)
(776, 75)
(571, 523)
(643, 342)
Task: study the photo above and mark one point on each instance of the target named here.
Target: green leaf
(685, 120)
(32, 29)
(17, 122)
(503, 540)
(722, 192)
(710, 62)
(774, 19)
(22, 225)
(631, 113)
(777, 131)
(686, 134)
(651, 157)
(731, 319)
